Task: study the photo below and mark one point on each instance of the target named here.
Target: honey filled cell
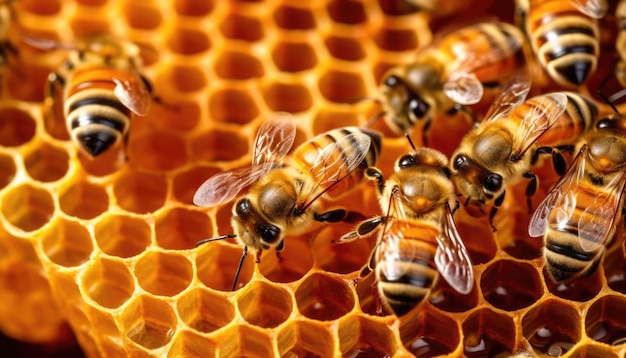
(111, 240)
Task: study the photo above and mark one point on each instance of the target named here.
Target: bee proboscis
(282, 200)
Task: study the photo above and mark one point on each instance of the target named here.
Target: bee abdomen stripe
(87, 119)
(566, 50)
(566, 31)
(99, 101)
(569, 251)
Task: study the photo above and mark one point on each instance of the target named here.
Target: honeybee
(502, 149)
(101, 88)
(450, 73)
(418, 239)
(564, 36)
(579, 216)
(283, 199)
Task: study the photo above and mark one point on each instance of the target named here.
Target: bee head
(475, 182)
(252, 228)
(405, 106)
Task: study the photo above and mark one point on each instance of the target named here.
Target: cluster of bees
(100, 88)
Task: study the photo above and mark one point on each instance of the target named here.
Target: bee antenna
(204, 241)
(374, 119)
(408, 137)
(608, 101)
(362, 99)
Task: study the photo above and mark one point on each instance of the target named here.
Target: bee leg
(156, 98)
(372, 173)
(337, 215)
(279, 249)
(496, 204)
(258, 256)
(425, 132)
(531, 189)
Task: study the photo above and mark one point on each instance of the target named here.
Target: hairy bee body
(449, 73)
(502, 150)
(282, 200)
(578, 218)
(564, 35)
(305, 155)
(418, 240)
(101, 89)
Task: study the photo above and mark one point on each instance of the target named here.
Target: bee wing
(607, 205)
(274, 139)
(538, 120)
(452, 259)
(334, 163)
(222, 187)
(390, 248)
(562, 197)
(133, 94)
(592, 8)
(513, 93)
(463, 88)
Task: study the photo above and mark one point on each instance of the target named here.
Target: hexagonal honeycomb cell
(111, 241)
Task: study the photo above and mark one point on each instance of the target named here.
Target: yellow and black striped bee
(579, 216)
(101, 88)
(419, 239)
(283, 199)
(450, 73)
(564, 36)
(502, 149)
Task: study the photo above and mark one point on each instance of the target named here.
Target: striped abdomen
(490, 50)
(579, 116)
(94, 115)
(306, 154)
(405, 268)
(565, 258)
(565, 41)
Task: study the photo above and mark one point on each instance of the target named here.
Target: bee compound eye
(406, 161)
(242, 208)
(493, 182)
(459, 161)
(418, 107)
(269, 234)
(391, 81)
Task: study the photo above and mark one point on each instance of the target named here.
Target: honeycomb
(104, 252)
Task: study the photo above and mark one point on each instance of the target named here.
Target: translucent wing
(391, 249)
(452, 259)
(544, 111)
(561, 199)
(598, 218)
(513, 93)
(133, 94)
(334, 163)
(274, 139)
(592, 8)
(222, 187)
(463, 88)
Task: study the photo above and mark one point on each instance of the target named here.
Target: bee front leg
(279, 249)
(496, 205)
(338, 215)
(375, 174)
(531, 189)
